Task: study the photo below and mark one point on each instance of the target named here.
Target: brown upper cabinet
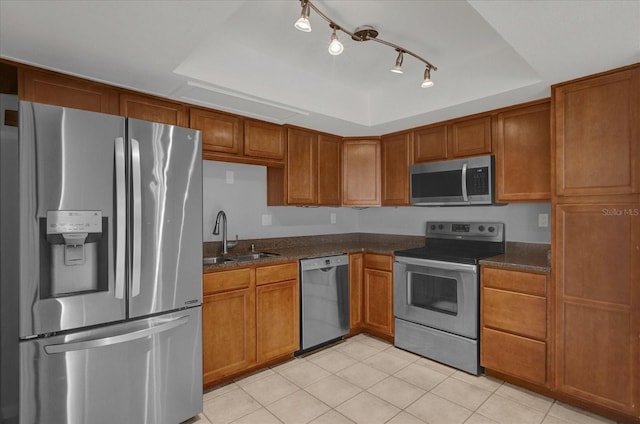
(523, 151)
(329, 170)
(264, 140)
(361, 172)
(396, 159)
(597, 128)
(149, 108)
(430, 143)
(62, 90)
(302, 167)
(312, 174)
(222, 133)
(469, 136)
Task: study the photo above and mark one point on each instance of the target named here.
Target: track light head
(303, 23)
(335, 46)
(427, 79)
(398, 67)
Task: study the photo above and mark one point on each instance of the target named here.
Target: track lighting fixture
(427, 79)
(303, 23)
(398, 68)
(362, 33)
(335, 46)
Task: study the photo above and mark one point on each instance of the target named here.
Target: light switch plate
(333, 218)
(266, 220)
(543, 220)
(229, 177)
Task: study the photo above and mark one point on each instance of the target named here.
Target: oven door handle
(449, 266)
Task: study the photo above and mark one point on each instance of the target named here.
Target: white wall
(245, 201)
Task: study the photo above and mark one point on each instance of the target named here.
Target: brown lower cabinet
(514, 324)
(250, 317)
(378, 295)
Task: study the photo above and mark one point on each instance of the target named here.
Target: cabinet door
(597, 128)
(396, 158)
(263, 140)
(302, 164)
(523, 152)
(378, 301)
(470, 137)
(221, 132)
(228, 333)
(329, 170)
(597, 267)
(278, 319)
(361, 172)
(430, 144)
(355, 290)
(155, 110)
(60, 90)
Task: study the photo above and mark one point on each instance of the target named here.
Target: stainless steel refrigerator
(110, 275)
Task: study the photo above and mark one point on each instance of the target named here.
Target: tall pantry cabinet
(596, 239)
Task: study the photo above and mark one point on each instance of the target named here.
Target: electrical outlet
(266, 220)
(229, 177)
(333, 218)
(543, 220)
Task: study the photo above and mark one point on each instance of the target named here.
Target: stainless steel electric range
(437, 292)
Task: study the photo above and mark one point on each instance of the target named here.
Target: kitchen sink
(248, 257)
(215, 260)
(253, 256)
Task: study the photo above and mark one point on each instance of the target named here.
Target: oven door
(441, 295)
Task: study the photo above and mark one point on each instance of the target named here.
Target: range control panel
(489, 231)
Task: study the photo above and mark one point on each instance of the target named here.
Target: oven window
(439, 294)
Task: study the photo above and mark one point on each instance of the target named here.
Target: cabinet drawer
(514, 355)
(275, 273)
(524, 282)
(514, 312)
(226, 280)
(376, 261)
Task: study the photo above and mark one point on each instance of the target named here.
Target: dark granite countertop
(295, 248)
(518, 256)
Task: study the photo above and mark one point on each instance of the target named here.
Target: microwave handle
(464, 183)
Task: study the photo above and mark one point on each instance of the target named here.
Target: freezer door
(72, 217)
(165, 217)
(147, 371)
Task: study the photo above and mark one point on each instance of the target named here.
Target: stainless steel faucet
(226, 245)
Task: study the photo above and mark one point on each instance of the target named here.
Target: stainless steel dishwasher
(324, 300)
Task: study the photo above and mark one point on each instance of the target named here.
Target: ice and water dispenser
(74, 253)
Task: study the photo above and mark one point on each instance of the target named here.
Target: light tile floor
(365, 380)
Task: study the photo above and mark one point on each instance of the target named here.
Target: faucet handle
(232, 244)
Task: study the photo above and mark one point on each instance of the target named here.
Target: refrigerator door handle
(137, 218)
(121, 217)
(112, 340)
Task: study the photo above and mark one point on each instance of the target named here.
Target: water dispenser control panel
(61, 222)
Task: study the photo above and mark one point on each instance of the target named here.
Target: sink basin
(253, 256)
(215, 260)
(248, 257)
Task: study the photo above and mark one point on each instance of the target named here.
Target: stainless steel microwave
(467, 181)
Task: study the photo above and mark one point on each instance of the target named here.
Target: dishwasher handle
(323, 262)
